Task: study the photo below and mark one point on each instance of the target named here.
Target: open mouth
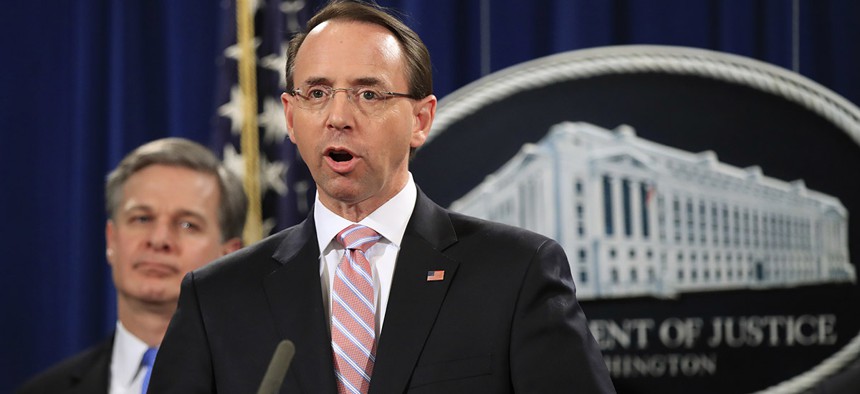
(340, 156)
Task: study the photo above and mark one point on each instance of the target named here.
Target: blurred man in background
(172, 207)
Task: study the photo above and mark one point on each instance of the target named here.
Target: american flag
(286, 187)
(435, 276)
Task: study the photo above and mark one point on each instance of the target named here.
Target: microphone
(274, 376)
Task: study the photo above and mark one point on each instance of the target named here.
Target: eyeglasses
(368, 100)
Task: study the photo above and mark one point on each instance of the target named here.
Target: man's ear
(109, 235)
(288, 115)
(231, 245)
(424, 112)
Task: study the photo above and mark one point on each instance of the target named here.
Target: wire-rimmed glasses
(368, 100)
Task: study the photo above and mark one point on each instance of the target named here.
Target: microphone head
(285, 351)
(277, 370)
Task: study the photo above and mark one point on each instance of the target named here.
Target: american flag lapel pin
(435, 276)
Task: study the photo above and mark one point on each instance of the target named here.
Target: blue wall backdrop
(85, 82)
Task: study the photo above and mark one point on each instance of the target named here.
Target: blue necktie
(148, 360)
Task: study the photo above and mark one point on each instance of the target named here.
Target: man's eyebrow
(182, 213)
(136, 208)
(363, 81)
(189, 213)
(367, 81)
(317, 81)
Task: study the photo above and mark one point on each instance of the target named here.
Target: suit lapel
(295, 301)
(414, 301)
(91, 376)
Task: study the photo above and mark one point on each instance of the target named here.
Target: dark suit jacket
(87, 372)
(504, 319)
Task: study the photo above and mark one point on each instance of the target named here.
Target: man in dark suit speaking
(380, 289)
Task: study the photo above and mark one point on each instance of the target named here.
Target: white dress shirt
(390, 221)
(126, 372)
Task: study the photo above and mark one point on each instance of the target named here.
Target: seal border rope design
(630, 59)
(638, 59)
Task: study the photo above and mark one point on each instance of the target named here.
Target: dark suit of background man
(462, 305)
(172, 207)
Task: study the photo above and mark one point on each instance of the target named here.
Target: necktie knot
(148, 357)
(358, 236)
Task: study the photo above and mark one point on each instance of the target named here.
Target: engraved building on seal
(638, 218)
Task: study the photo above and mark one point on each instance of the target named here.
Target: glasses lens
(367, 100)
(314, 97)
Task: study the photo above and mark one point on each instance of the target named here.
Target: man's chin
(350, 189)
(157, 294)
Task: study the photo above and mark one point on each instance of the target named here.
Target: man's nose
(341, 110)
(162, 237)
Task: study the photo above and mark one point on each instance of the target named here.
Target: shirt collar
(389, 220)
(127, 353)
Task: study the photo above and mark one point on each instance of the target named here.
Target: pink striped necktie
(353, 312)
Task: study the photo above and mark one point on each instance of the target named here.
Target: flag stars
(273, 122)
(254, 5)
(276, 62)
(270, 54)
(291, 9)
(268, 225)
(233, 161)
(233, 110)
(235, 52)
(272, 174)
(301, 188)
